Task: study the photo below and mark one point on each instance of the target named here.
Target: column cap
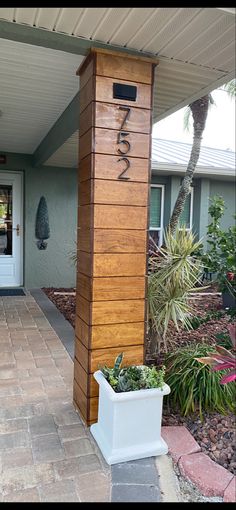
(93, 51)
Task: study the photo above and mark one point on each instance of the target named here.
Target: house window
(186, 217)
(156, 213)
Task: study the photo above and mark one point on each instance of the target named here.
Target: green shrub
(223, 339)
(197, 321)
(194, 387)
(221, 256)
(213, 314)
(232, 313)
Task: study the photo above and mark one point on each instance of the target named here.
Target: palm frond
(175, 273)
(230, 88)
(187, 119)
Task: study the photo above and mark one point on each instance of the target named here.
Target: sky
(219, 130)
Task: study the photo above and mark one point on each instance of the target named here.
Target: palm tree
(199, 110)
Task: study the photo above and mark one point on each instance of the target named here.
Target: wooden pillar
(114, 177)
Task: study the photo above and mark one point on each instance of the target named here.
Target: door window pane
(5, 220)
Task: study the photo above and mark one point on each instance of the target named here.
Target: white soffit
(195, 47)
(156, 30)
(36, 85)
(67, 154)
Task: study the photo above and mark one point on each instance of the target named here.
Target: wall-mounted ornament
(42, 230)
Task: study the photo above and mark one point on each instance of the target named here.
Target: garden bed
(216, 432)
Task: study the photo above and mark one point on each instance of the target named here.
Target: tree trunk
(199, 111)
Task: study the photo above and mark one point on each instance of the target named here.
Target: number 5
(124, 142)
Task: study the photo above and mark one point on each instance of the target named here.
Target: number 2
(121, 176)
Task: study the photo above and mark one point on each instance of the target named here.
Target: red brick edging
(209, 477)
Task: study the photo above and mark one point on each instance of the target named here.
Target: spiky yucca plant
(173, 275)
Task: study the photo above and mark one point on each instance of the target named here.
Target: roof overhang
(43, 47)
(224, 174)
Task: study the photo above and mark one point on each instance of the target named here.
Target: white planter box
(129, 423)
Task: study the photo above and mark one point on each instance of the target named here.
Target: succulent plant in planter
(42, 230)
(130, 412)
(134, 377)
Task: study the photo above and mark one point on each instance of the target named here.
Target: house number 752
(124, 144)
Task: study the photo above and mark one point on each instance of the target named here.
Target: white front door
(11, 230)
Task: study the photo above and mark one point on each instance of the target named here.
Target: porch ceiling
(36, 85)
(41, 48)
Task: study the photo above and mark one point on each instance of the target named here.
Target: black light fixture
(125, 92)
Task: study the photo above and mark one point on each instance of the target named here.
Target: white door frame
(12, 177)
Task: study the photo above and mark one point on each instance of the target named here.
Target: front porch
(46, 452)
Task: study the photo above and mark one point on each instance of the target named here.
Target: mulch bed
(215, 433)
(64, 303)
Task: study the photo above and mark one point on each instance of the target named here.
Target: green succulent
(134, 377)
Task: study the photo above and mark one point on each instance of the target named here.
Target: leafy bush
(221, 256)
(214, 314)
(134, 377)
(223, 339)
(220, 360)
(223, 358)
(231, 312)
(198, 321)
(194, 387)
(173, 274)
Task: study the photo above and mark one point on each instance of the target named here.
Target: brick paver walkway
(46, 453)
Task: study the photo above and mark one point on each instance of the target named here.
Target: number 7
(127, 110)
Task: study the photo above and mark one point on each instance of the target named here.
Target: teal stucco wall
(51, 267)
(227, 191)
